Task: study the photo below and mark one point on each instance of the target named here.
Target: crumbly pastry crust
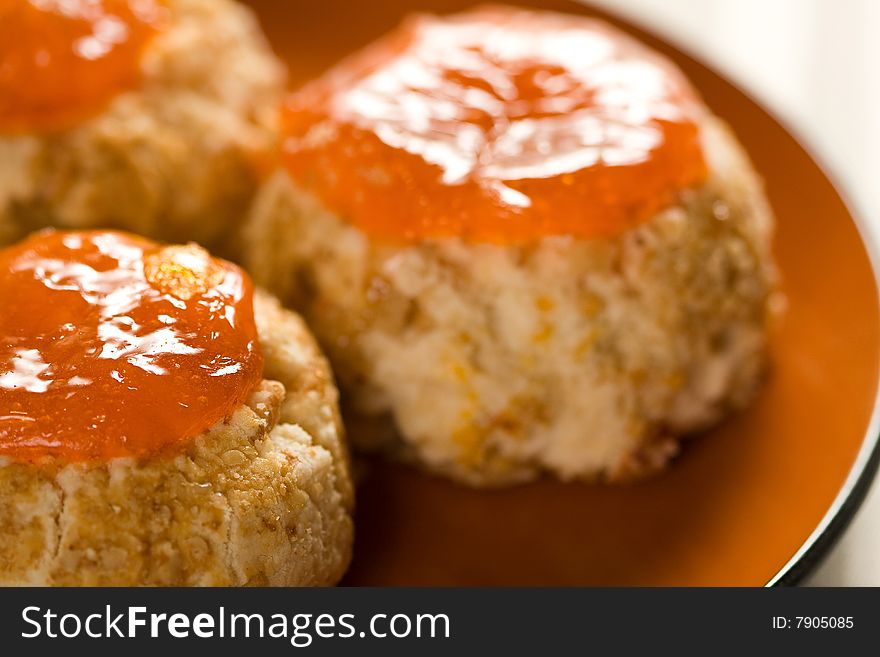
(173, 159)
(585, 359)
(263, 498)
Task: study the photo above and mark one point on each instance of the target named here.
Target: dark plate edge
(861, 476)
(814, 550)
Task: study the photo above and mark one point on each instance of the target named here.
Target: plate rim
(863, 472)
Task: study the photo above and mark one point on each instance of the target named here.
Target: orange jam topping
(497, 125)
(61, 60)
(112, 345)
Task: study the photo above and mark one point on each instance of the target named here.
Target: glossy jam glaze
(112, 345)
(497, 125)
(63, 60)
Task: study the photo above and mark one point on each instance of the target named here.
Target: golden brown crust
(263, 498)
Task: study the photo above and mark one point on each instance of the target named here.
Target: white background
(816, 64)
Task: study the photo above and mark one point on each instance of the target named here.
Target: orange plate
(756, 501)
